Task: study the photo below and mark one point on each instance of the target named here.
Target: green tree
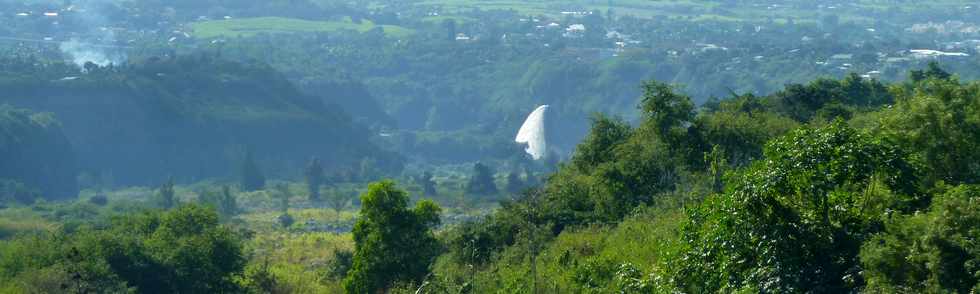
(166, 197)
(428, 185)
(314, 178)
(184, 250)
(15, 191)
(282, 194)
(252, 178)
(392, 242)
(514, 183)
(667, 112)
(606, 133)
(224, 201)
(939, 121)
(338, 201)
(794, 221)
(934, 252)
(932, 71)
(481, 183)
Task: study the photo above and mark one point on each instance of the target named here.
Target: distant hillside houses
(948, 27)
(928, 53)
(575, 31)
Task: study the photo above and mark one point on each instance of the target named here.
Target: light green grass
(698, 10)
(245, 27)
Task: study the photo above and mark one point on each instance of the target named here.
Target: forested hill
(35, 156)
(191, 117)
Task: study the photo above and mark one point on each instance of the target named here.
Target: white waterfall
(532, 133)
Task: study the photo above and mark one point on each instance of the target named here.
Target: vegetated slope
(190, 117)
(35, 152)
(816, 188)
(258, 25)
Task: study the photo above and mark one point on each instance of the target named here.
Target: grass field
(690, 8)
(245, 27)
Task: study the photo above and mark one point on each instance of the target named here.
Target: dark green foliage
(285, 220)
(427, 184)
(594, 274)
(666, 111)
(35, 153)
(178, 115)
(599, 144)
(795, 221)
(804, 102)
(934, 252)
(514, 183)
(261, 279)
(338, 200)
(165, 196)
(481, 182)
(939, 120)
(598, 275)
(252, 178)
(392, 242)
(314, 178)
(223, 201)
(282, 196)
(99, 200)
(474, 243)
(740, 127)
(16, 192)
(340, 264)
(932, 71)
(181, 251)
(717, 165)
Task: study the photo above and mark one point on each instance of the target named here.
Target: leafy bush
(184, 250)
(392, 243)
(16, 192)
(252, 177)
(934, 252)
(481, 183)
(795, 221)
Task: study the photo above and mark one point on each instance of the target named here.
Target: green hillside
(245, 27)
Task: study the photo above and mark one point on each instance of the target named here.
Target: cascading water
(532, 133)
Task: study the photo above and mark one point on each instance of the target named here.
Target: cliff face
(35, 152)
(192, 117)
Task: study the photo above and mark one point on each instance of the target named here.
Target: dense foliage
(392, 243)
(35, 155)
(734, 146)
(794, 222)
(190, 117)
(184, 250)
(822, 207)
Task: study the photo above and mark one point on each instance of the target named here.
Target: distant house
(575, 31)
(927, 53)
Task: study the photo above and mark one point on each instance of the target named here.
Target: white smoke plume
(81, 53)
(93, 40)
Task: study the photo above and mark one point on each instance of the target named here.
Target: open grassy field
(799, 10)
(245, 27)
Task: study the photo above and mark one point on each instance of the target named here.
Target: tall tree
(166, 196)
(428, 185)
(392, 242)
(481, 182)
(514, 183)
(314, 178)
(252, 177)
